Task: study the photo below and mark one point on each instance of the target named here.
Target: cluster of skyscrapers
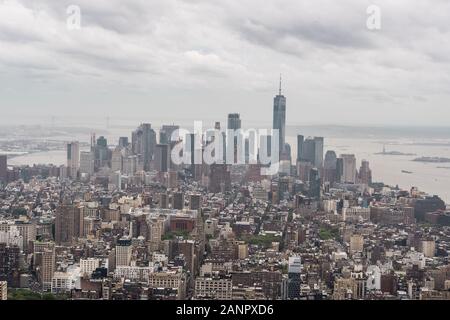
(127, 222)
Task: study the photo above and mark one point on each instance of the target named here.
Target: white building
(174, 281)
(356, 214)
(295, 265)
(373, 278)
(216, 289)
(133, 273)
(211, 226)
(160, 258)
(338, 255)
(12, 237)
(66, 281)
(27, 231)
(89, 265)
(62, 282)
(415, 258)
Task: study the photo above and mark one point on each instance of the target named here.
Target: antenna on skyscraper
(280, 85)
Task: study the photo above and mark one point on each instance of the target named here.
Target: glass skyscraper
(279, 117)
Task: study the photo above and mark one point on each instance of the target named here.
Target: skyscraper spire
(280, 85)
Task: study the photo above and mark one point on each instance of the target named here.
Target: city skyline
(253, 154)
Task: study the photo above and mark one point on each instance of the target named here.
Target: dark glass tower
(279, 117)
(234, 121)
(300, 143)
(143, 142)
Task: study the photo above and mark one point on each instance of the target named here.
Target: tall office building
(102, 142)
(309, 151)
(286, 156)
(318, 155)
(44, 261)
(314, 183)
(194, 201)
(163, 201)
(339, 169)
(73, 158)
(3, 168)
(172, 179)
(265, 146)
(102, 153)
(224, 140)
(68, 223)
(129, 165)
(123, 252)
(178, 200)
(329, 167)
(28, 232)
(87, 162)
(365, 174)
(117, 159)
(143, 142)
(162, 157)
(300, 142)
(115, 180)
(234, 121)
(279, 118)
(190, 150)
(47, 268)
(165, 134)
(219, 178)
(303, 170)
(349, 168)
(294, 277)
(9, 263)
(194, 151)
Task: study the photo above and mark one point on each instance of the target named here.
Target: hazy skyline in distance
(202, 59)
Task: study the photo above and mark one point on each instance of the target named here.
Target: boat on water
(407, 172)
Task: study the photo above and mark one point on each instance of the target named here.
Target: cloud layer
(202, 59)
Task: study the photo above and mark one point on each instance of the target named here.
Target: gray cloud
(174, 57)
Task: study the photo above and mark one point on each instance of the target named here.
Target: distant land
(432, 159)
(370, 132)
(395, 153)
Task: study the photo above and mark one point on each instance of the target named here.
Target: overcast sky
(202, 59)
